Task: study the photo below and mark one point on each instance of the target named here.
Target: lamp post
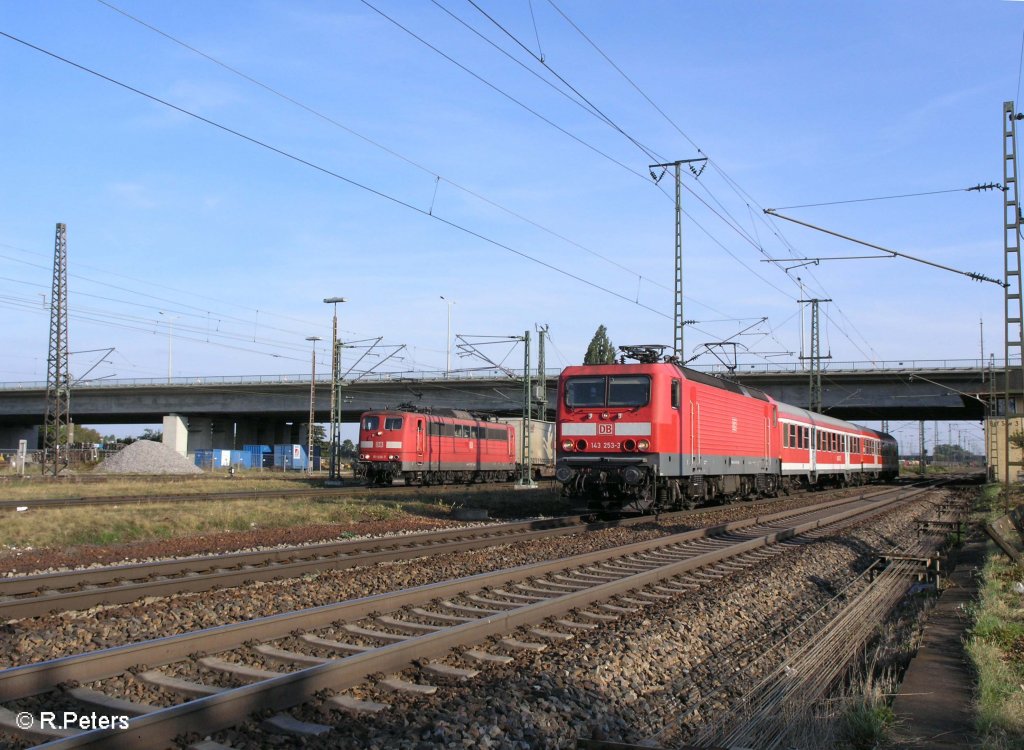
(448, 350)
(334, 386)
(312, 408)
(170, 352)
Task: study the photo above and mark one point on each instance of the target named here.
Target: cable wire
(336, 175)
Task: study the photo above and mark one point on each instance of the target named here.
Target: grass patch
(106, 525)
(996, 644)
(867, 716)
(34, 487)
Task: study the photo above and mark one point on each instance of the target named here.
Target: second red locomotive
(656, 435)
(444, 447)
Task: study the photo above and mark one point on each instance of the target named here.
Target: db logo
(605, 429)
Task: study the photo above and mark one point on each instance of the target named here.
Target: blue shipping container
(290, 456)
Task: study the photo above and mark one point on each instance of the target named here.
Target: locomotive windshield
(617, 390)
(584, 391)
(392, 423)
(371, 423)
(634, 390)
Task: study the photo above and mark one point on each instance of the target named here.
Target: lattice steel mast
(814, 386)
(57, 425)
(677, 317)
(525, 466)
(542, 375)
(1013, 313)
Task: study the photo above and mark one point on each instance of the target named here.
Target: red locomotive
(438, 448)
(655, 435)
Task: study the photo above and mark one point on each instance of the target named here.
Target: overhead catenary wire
(990, 186)
(386, 149)
(733, 224)
(721, 212)
(755, 242)
(735, 186)
(336, 175)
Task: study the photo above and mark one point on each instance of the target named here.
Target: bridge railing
(492, 373)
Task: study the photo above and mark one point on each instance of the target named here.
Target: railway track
(338, 647)
(39, 594)
(43, 593)
(775, 706)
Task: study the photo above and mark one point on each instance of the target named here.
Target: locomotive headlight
(629, 445)
(567, 445)
(643, 445)
(604, 415)
(581, 445)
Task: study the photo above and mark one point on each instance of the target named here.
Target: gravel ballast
(147, 457)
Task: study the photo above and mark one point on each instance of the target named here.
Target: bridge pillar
(176, 433)
(223, 434)
(303, 433)
(284, 433)
(247, 432)
(9, 436)
(264, 432)
(200, 433)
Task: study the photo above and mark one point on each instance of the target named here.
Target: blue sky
(795, 103)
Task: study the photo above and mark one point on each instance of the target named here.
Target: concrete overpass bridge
(225, 411)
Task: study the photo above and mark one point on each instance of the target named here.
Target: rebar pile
(783, 698)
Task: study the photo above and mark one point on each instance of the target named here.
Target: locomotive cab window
(631, 390)
(675, 394)
(584, 392)
(616, 390)
(393, 423)
(371, 423)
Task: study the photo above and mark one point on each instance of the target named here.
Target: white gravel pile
(147, 457)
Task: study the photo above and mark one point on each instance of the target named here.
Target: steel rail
(39, 594)
(227, 708)
(197, 574)
(766, 715)
(32, 679)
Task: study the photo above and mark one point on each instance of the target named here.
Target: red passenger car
(437, 448)
(656, 435)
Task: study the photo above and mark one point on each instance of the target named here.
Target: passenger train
(655, 435)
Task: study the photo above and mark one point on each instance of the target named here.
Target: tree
(601, 350)
(150, 434)
(320, 439)
(347, 449)
(86, 435)
(79, 435)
